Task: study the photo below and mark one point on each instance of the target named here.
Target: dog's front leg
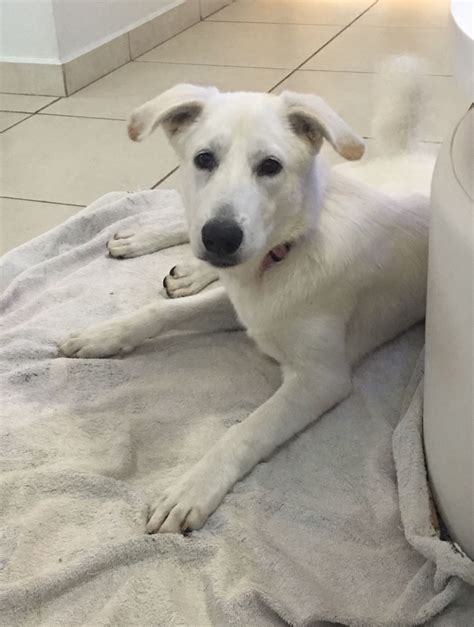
(302, 398)
(143, 240)
(207, 312)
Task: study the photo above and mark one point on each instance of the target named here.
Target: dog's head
(247, 160)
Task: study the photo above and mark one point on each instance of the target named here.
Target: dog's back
(401, 169)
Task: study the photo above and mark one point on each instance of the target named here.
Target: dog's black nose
(221, 236)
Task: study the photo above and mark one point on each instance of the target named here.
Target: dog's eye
(269, 167)
(205, 160)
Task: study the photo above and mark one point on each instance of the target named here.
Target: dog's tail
(398, 105)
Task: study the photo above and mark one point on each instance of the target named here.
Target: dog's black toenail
(173, 270)
(119, 257)
(165, 285)
(187, 532)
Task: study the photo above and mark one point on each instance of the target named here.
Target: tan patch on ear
(306, 128)
(145, 119)
(350, 149)
(175, 122)
(134, 130)
(313, 119)
(181, 117)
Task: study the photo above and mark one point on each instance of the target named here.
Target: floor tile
(115, 95)
(292, 11)
(76, 160)
(352, 96)
(361, 49)
(243, 44)
(8, 119)
(21, 220)
(420, 13)
(22, 103)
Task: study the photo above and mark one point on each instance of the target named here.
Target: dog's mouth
(221, 262)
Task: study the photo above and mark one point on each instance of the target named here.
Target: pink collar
(276, 255)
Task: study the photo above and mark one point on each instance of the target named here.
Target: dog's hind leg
(142, 240)
(188, 278)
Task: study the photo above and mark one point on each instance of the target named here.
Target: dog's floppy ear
(311, 118)
(174, 109)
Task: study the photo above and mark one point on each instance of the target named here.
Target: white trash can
(448, 423)
(448, 426)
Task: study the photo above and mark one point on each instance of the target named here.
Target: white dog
(321, 266)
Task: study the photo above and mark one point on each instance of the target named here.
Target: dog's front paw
(189, 278)
(187, 504)
(133, 242)
(101, 340)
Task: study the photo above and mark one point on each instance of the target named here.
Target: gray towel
(320, 533)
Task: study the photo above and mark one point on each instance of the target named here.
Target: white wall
(55, 31)
(82, 25)
(27, 31)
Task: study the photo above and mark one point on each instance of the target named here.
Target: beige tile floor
(57, 155)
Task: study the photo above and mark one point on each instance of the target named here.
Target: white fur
(354, 278)
(137, 241)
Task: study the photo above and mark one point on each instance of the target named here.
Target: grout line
(362, 72)
(49, 104)
(417, 26)
(276, 23)
(20, 93)
(164, 178)
(82, 117)
(263, 67)
(46, 202)
(205, 19)
(16, 111)
(63, 73)
(323, 46)
(245, 67)
(16, 123)
(420, 27)
(31, 114)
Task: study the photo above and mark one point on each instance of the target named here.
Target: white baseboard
(63, 79)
